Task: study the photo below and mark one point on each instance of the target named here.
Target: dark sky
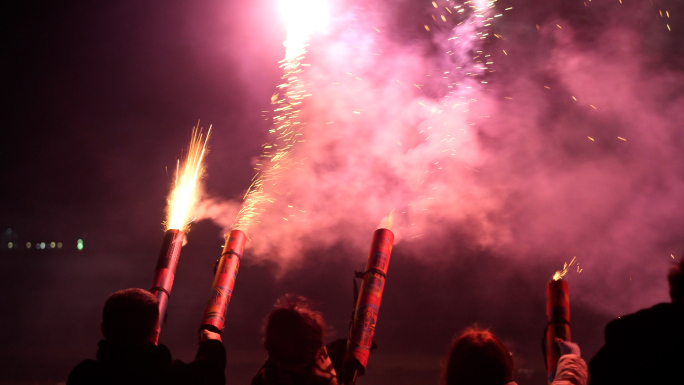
(99, 101)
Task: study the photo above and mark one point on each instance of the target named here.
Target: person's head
(293, 332)
(477, 357)
(676, 279)
(131, 317)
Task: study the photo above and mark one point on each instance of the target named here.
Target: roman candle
(558, 326)
(214, 316)
(365, 316)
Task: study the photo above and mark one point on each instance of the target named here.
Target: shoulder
(85, 373)
(649, 320)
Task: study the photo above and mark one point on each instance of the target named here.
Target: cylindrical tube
(224, 280)
(164, 273)
(368, 305)
(558, 316)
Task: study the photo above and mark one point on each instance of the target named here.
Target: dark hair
(676, 279)
(293, 332)
(477, 357)
(130, 316)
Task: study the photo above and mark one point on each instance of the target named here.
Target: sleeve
(572, 370)
(208, 368)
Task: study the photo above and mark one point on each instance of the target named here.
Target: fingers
(206, 335)
(567, 347)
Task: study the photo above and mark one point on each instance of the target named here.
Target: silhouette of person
(645, 347)
(478, 357)
(293, 337)
(130, 354)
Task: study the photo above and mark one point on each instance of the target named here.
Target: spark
(185, 193)
(590, 138)
(561, 273)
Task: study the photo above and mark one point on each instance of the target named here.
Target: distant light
(42, 245)
(10, 245)
(79, 244)
(28, 245)
(59, 245)
(52, 245)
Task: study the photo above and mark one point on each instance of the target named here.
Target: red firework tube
(368, 305)
(164, 273)
(224, 280)
(558, 316)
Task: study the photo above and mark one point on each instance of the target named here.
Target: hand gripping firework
(367, 306)
(558, 316)
(224, 280)
(164, 273)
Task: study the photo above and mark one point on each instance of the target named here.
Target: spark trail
(302, 17)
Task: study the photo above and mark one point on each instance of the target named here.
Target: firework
(303, 17)
(224, 281)
(165, 271)
(558, 317)
(182, 200)
(367, 306)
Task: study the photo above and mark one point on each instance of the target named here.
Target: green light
(79, 244)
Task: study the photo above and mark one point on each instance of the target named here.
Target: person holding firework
(130, 354)
(293, 337)
(477, 357)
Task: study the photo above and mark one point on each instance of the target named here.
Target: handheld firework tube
(164, 273)
(224, 280)
(558, 316)
(367, 306)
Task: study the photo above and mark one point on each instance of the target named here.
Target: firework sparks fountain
(302, 17)
(182, 200)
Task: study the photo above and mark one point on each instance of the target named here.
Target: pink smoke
(588, 166)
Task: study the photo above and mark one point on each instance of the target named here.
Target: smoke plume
(536, 133)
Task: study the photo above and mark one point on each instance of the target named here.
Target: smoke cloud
(537, 135)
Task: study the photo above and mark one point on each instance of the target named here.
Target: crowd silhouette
(640, 348)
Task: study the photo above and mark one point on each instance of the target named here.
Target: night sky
(568, 144)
